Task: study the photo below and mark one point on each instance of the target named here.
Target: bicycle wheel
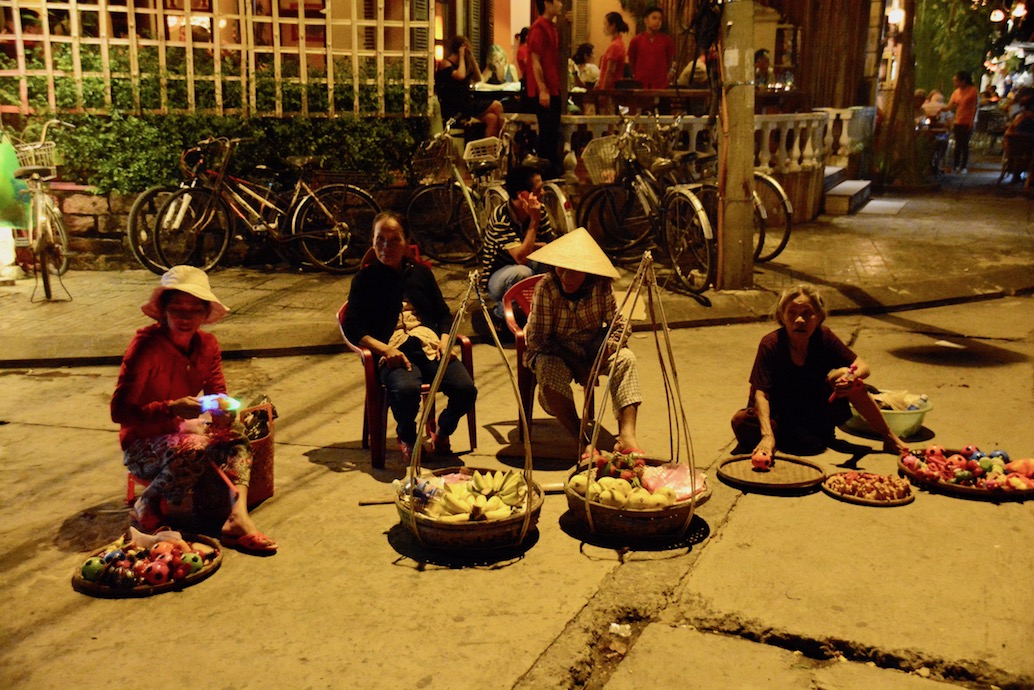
(709, 198)
(43, 245)
(778, 216)
(334, 225)
(558, 208)
(141, 224)
(614, 217)
(192, 227)
(441, 224)
(495, 196)
(57, 257)
(689, 240)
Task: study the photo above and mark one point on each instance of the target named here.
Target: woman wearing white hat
(164, 437)
(570, 312)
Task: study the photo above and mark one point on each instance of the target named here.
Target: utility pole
(736, 164)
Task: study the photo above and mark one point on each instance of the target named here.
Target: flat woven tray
(788, 475)
(97, 589)
(972, 492)
(858, 500)
(472, 536)
(618, 522)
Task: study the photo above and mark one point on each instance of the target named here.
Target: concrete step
(834, 175)
(847, 197)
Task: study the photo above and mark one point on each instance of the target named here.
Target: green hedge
(129, 153)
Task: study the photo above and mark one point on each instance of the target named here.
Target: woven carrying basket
(601, 159)
(631, 524)
(480, 535)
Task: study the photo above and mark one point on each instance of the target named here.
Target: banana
(515, 497)
(495, 503)
(479, 481)
(454, 504)
(480, 500)
(497, 480)
(457, 517)
(497, 514)
(509, 479)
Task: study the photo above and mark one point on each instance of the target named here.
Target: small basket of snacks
(970, 473)
(141, 565)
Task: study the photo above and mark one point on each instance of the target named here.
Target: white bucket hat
(192, 281)
(577, 251)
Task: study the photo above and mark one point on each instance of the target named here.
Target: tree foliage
(949, 36)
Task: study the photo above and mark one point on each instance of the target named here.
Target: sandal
(253, 543)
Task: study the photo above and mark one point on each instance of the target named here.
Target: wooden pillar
(736, 164)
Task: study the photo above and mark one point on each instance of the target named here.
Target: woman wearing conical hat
(571, 310)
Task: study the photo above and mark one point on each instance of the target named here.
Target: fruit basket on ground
(970, 473)
(141, 565)
(629, 496)
(465, 508)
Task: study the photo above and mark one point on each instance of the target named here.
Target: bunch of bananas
(488, 496)
(509, 486)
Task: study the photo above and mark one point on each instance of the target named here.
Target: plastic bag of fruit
(678, 477)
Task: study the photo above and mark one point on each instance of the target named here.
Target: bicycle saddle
(28, 171)
(303, 161)
(479, 168)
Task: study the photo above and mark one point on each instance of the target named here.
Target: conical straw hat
(576, 251)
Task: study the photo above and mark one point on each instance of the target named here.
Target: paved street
(768, 592)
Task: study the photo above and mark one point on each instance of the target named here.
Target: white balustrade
(856, 127)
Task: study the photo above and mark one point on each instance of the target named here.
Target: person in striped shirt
(515, 230)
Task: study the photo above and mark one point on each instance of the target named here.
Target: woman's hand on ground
(767, 445)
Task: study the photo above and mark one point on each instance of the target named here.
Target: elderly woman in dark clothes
(803, 378)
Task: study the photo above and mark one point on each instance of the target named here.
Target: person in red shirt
(167, 436)
(612, 64)
(651, 54)
(963, 102)
(543, 81)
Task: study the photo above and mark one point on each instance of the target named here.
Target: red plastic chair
(375, 415)
(520, 294)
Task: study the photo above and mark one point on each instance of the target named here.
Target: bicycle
(44, 232)
(628, 205)
(447, 219)
(332, 223)
(773, 210)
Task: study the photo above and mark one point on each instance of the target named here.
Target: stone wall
(96, 226)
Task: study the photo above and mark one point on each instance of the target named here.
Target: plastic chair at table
(520, 294)
(375, 412)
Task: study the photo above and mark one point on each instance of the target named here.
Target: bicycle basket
(40, 153)
(601, 159)
(432, 159)
(483, 150)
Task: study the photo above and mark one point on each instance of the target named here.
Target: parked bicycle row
(650, 190)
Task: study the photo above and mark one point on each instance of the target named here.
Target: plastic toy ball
(194, 560)
(157, 573)
(139, 567)
(761, 461)
(934, 450)
(970, 450)
(113, 556)
(93, 568)
(124, 578)
(997, 453)
(162, 547)
(181, 571)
